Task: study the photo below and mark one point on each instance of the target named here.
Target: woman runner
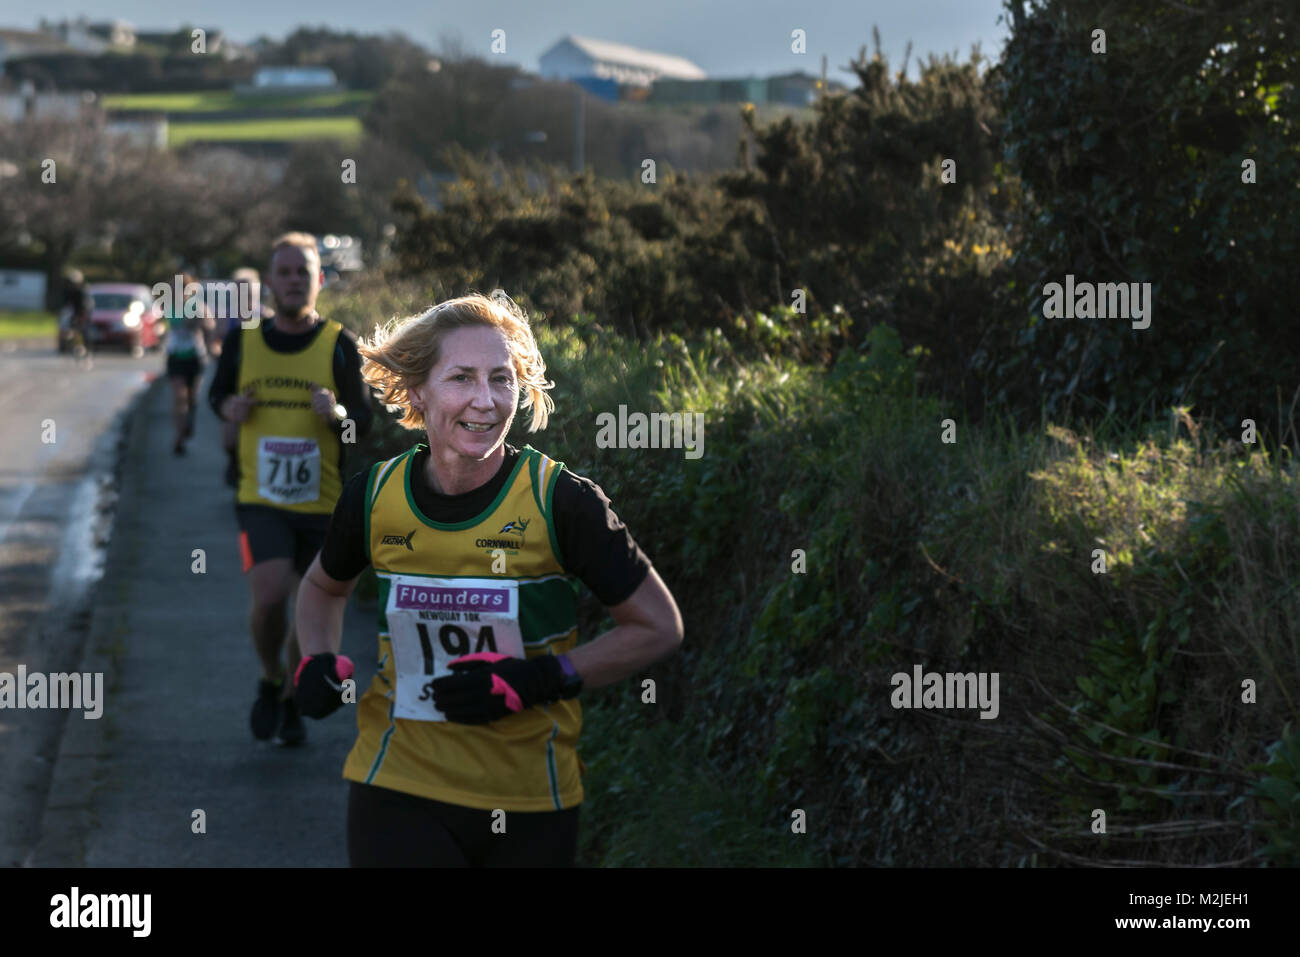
(466, 747)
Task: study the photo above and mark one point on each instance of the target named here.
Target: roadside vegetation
(1119, 690)
(1103, 529)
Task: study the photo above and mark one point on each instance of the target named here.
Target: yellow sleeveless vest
(288, 457)
(526, 761)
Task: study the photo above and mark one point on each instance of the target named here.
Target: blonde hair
(304, 241)
(400, 354)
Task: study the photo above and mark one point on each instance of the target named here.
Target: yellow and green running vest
(493, 583)
(289, 457)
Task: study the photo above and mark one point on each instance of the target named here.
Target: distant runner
(77, 306)
(479, 548)
(291, 384)
(189, 328)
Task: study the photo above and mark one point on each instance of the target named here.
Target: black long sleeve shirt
(594, 544)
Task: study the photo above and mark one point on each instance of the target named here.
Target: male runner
(293, 384)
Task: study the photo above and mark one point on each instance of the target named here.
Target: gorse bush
(943, 206)
(832, 227)
(1132, 166)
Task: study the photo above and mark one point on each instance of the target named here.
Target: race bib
(432, 621)
(288, 469)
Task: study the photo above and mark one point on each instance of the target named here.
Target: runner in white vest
(189, 327)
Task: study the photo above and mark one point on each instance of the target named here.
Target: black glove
(318, 684)
(487, 687)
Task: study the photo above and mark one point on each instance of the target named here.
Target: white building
(85, 36)
(145, 131)
(22, 289)
(27, 104)
(577, 57)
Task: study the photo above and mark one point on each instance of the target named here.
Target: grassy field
(26, 325)
(210, 101)
(268, 117)
(346, 128)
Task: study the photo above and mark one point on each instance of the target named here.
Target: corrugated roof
(663, 63)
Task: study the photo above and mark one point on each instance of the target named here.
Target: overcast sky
(723, 37)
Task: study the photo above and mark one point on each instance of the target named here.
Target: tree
(1133, 161)
(142, 212)
(318, 200)
(360, 62)
(46, 204)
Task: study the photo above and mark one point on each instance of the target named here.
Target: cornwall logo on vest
(518, 527)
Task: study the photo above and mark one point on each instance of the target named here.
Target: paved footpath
(180, 678)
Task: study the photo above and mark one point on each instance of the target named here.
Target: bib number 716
(301, 476)
(288, 469)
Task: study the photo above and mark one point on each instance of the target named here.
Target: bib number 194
(454, 641)
(433, 621)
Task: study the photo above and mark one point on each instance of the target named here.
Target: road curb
(67, 819)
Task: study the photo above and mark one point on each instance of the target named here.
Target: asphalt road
(56, 429)
(173, 644)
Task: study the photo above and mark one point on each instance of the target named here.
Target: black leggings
(393, 829)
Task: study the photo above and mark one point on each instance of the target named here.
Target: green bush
(1132, 164)
(1278, 791)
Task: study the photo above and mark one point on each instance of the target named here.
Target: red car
(123, 316)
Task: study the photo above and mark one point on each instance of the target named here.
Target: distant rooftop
(633, 56)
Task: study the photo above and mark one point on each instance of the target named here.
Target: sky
(725, 38)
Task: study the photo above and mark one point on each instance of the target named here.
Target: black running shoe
(266, 710)
(291, 732)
